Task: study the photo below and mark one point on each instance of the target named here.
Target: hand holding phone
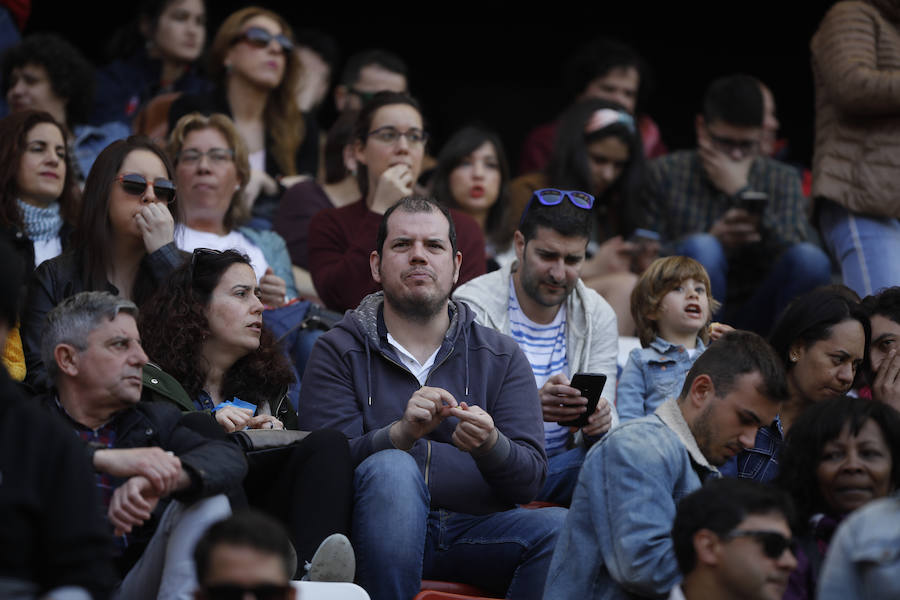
(590, 386)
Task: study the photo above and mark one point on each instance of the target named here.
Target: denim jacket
(760, 462)
(651, 376)
(863, 560)
(616, 542)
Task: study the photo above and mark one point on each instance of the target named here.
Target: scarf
(41, 224)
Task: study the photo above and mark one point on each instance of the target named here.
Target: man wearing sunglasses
(615, 543)
(732, 539)
(562, 326)
(740, 214)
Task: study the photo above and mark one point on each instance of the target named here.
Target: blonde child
(671, 306)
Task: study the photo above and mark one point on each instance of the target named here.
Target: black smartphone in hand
(591, 386)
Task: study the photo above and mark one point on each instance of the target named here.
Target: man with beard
(562, 326)
(443, 420)
(624, 504)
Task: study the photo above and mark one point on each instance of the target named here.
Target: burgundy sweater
(341, 240)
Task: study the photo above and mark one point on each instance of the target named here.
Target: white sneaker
(333, 561)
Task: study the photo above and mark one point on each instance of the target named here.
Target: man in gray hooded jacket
(443, 420)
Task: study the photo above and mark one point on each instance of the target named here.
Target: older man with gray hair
(160, 482)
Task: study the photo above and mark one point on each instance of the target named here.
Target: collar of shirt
(419, 370)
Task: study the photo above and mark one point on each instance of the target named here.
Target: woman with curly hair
(204, 328)
(254, 68)
(841, 454)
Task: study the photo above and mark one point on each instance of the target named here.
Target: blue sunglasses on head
(552, 197)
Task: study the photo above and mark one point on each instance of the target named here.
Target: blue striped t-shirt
(545, 348)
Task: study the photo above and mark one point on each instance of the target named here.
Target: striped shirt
(545, 348)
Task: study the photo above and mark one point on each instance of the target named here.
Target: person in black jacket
(160, 482)
(204, 327)
(51, 537)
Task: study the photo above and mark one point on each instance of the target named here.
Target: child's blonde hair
(661, 277)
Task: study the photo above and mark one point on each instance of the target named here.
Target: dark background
(506, 74)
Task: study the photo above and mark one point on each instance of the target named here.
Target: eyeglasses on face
(729, 145)
(260, 38)
(216, 156)
(136, 184)
(390, 135)
(773, 543)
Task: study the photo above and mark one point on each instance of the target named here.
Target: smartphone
(591, 386)
(753, 202)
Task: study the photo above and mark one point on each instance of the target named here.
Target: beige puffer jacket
(856, 67)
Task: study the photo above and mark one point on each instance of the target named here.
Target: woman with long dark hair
(38, 200)
(598, 151)
(123, 240)
(471, 176)
(204, 328)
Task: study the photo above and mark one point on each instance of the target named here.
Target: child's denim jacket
(651, 376)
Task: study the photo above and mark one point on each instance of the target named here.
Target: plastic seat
(453, 588)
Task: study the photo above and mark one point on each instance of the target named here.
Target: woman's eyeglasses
(136, 184)
(390, 135)
(552, 197)
(216, 156)
(260, 38)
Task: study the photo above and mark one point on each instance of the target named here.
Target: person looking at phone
(563, 326)
(443, 421)
(631, 481)
(672, 305)
(740, 214)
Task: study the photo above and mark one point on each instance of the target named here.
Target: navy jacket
(356, 383)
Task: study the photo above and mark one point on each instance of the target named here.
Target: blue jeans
(865, 247)
(799, 269)
(562, 475)
(399, 541)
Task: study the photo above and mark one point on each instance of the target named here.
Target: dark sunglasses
(773, 543)
(136, 184)
(267, 591)
(552, 197)
(199, 254)
(260, 38)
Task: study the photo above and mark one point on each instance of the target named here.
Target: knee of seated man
(808, 258)
(388, 468)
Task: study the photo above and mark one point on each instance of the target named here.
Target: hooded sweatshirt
(356, 382)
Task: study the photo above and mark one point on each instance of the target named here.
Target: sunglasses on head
(260, 38)
(552, 197)
(136, 184)
(773, 543)
(267, 591)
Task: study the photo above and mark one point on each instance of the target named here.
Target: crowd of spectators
(246, 352)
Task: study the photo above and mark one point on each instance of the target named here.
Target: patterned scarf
(41, 224)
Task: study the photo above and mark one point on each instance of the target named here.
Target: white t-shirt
(188, 239)
(46, 249)
(257, 160)
(419, 370)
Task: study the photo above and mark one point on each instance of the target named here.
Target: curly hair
(14, 131)
(71, 75)
(819, 424)
(174, 326)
